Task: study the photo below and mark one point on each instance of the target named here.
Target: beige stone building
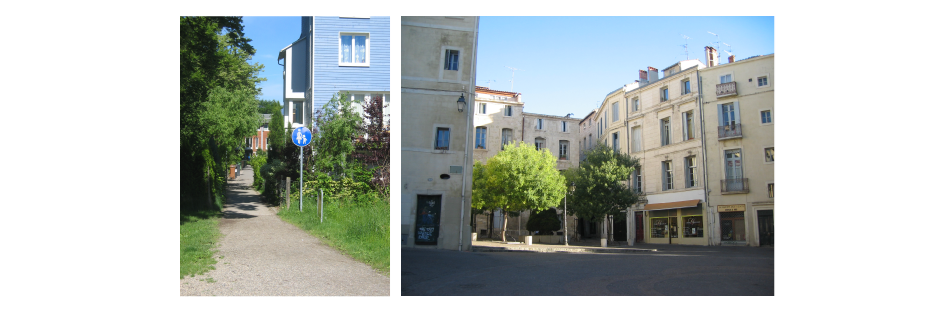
(657, 120)
(437, 72)
(738, 113)
(500, 119)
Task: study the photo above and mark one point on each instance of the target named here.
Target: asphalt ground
(670, 271)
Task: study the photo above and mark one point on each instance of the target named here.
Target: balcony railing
(726, 89)
(730, 131)
(734, 186)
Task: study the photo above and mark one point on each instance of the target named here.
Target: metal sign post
(301, 137)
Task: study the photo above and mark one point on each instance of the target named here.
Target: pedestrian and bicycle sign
(301, 136)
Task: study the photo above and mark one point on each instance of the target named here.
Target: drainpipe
(701, 116)
(466, 148)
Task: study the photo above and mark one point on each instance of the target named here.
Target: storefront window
(692, 226)
(658, 227)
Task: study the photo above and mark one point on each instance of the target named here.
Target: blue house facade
(350, 54)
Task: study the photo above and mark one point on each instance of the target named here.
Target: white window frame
(769, 189)
(637, 142)
(665, 130)
(564, 127)
(771, 112)
(682, 86)
(669, 177)
(482, 107)
(757, 80)
(636, 104)
(539, 124)
(615, 141)
(688, 125)
(764, 155)
(476, 138)
(563, 150)
(447, 62)
(664, 94)
(638, 179)
(507, 111)
(502, 137)
(691, 172)
(720, 75)
(340, 49)
(537, 142)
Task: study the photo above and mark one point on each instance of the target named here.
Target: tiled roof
(481, 89)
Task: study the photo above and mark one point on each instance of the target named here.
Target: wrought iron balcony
(730, 131)
(734, 186)
(726, 89)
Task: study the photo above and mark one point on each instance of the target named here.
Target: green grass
(199, 235)
(359, 227)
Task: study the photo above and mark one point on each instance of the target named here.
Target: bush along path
(260, 255)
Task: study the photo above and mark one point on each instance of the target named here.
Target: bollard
(287, 192)
(603, 242)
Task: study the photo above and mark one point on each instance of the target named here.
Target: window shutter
(737, 113)
(664, 175)
(688, 174)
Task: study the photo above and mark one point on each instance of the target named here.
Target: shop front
(680, 222)
(732, 224)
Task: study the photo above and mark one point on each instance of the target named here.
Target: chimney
(654, 74)
(643, 78)
(731, 59)
(711, 56)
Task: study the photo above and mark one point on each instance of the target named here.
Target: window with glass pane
(616, 111)
(507, 137)
(691, 172)
(564, 126)
(442, 140)
(508, 111)
(563, 150)
(538, 124)
(637, 137)
(539, 143)
(636, 104)
(689, 126)
(658, 227)
(638, 180)
(765, 116)
(664, 131)
(762, 81)
(298, 112)
(769, 154)
(667, 175)
(353, 48)
(692, 226)
(482, 108)
(481, 138)
(725, 78)
(452, 60)
(615, 138)
(686, 87)
(770, 190)
(664, 94)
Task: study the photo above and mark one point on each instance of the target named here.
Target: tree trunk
(505, 223)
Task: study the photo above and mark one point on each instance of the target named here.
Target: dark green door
(428, 221)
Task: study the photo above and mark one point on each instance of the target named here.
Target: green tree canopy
(338, 125)
(599, 181)
(543, 222)
(272, 107)
(516, 179)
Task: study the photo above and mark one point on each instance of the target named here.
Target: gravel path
(261, 255)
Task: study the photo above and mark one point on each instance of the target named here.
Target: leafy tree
(277, 136)
(230, 116)
(516, 179)
(600, 190)
(338, 125)
(543, 222)
(374, 151)
(272, 107)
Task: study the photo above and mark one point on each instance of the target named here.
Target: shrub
(544, 222)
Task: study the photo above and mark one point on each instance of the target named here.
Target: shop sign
(731, 208)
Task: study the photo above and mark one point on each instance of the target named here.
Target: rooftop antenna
(488, 83)
(686, 46)
(717, 44)
(729, 51)
(513, 80)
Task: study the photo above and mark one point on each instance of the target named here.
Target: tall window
(637, 139)
(298, 112)
(636, 104)
(507, 137)
(765, 116)
(691, 172)
(638, 179)
(770, 190)
(616, 111)
(452, 59)
(667, 175)
(590, 141)
(688, 127)
(481, 138)
(728, 114)
(538, 124)
(482, 108)
(769, 154)
(664, 94)
(564, 126)
(686, 87)
(508, 111)
(563, 150)
(664, 131)
(354, 49)
(539, 143)
(615, 138)
(442, 140)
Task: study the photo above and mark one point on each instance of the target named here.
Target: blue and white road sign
(301, 136)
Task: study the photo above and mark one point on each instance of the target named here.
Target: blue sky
(569, 64)
(269, 34)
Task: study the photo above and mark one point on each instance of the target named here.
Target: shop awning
(671, 205)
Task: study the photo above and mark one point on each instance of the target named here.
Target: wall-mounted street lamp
(461, 103)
